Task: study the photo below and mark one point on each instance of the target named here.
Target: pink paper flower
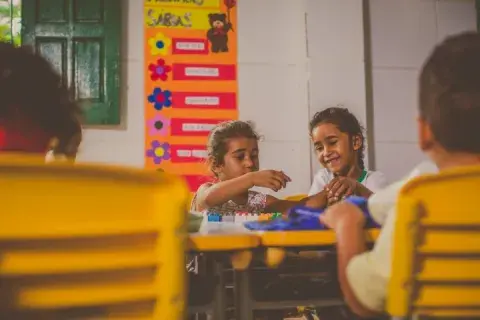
(158, 125)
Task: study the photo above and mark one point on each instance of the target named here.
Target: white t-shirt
(369, 272)
(374, 181)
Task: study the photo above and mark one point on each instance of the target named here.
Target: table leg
(219, 303)
(243, 301)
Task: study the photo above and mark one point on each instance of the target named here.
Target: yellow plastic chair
(90, 242)
(436, 251)
(189, 200)
(296, 197)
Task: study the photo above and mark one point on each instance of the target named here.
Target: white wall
(273, 83)
(294, 66)
(403, 35)
(297, 57)
(336, 55)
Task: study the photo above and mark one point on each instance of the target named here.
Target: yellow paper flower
(159, 44)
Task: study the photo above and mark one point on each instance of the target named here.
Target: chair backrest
(296, 197)
(91, 241)
(436, 250)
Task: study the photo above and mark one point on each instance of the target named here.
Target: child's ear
(214, 167)
(216, 170)
(425, 136)
(357, 142)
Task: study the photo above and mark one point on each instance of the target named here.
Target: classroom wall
(293, 67)
(295, 58)
(335, 34)
(403, 35)
(274, 75)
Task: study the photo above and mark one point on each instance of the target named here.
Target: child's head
(338, 140)
(233, 149)
(35, 106)
(449, 99)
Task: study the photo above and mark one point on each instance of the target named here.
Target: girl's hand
(331, 200)
(271, 179)
(339, 188)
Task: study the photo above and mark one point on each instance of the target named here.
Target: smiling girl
(339, 144)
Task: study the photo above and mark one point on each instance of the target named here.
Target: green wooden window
(81, 38)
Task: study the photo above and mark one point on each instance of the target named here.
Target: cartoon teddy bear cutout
(217, 34)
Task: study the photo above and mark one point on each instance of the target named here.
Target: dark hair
(346, 122)
(449, 99)
(31, 87)
(218, 138)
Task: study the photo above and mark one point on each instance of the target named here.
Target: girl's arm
(318, 200)
(219, 193)
(211, 195)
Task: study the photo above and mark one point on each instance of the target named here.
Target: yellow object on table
(296, 197)
(436, 252)
(100, 242)
(264, 217)
(269, 216)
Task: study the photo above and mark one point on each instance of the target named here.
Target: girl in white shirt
(339, 144)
